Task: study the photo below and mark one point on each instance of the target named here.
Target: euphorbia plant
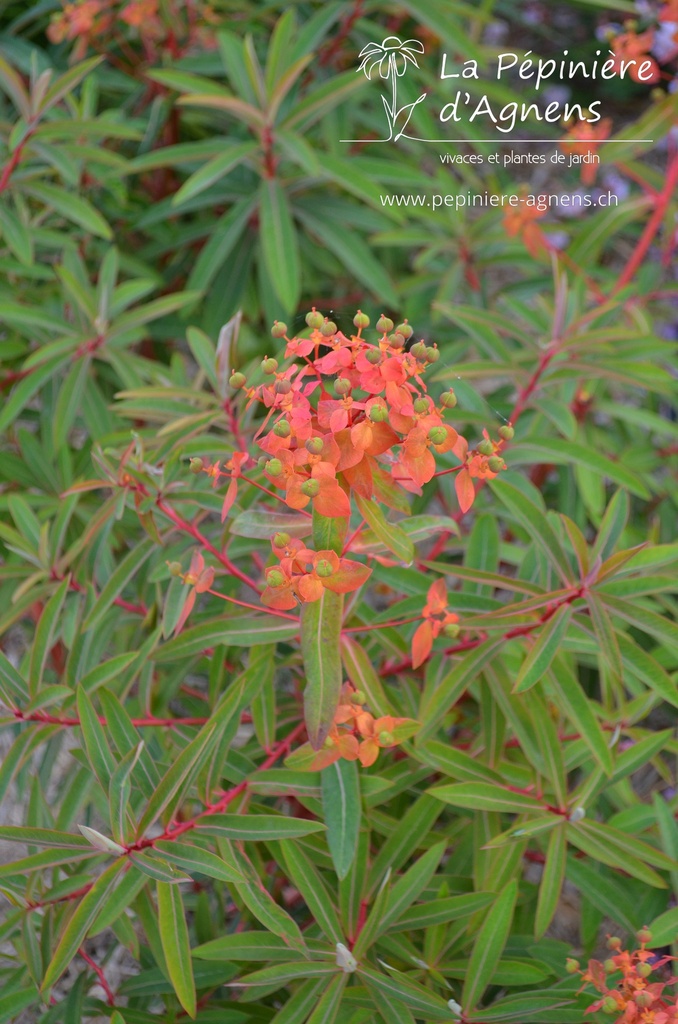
(349, 427)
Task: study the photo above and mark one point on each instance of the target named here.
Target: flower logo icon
(391, 58)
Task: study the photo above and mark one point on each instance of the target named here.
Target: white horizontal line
(445, 142)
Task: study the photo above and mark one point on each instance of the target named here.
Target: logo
(390, 59)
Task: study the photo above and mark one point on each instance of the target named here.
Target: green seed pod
(613, 942)
(311, 488)
(279, 329)
(421, 405)
(314, 445)
(275, 578)
(385, 324)
(281, 540)
(378, 413)
(610, 966)
(418, 350)
(342, 386)
(571, 966)
(237, 379)
(315, 319)
(175, 568)
(644, 999)
(283, 386)
(644, 970)
(432, 355)
(361, 320)
(269, 365)
(262, 461)
(448, 400)
(328, 329)
(610, 1005)
(437, 435)
(506, 432)
(386, 738)
(274, 467)
(452, 630)
(486, 447)
(324, 567)
(282, 429)
(329, 743)
(496, 463)
(373, 356)
(396, 340)
(359, 697)
(196, 466)
(405, 329)
(644, 936)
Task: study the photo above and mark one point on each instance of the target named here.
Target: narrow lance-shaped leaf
(488, 946)
(320, 634)
(175, 944)
(342, 812)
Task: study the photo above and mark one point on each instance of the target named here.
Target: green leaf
(450, 689)
(450, 908)
(257, 827)
(265, 909)
(481, 796)
(119, 792)
(175, 944)
(392, 536)
(235, 631)
(307, 880)
(43, 837)
(45, 636)
(552, 879)
(81, 921)
(409, 887)
(16, 235)
(245, 946)
(601, 848)
(561, 452)
(400, 990)
(320, 634)
(216, 168)
(360, 671)
(533, 519)
(328, 1007)
(98, 751)
(489, 946)
(573, 701)
(119, 579)
(544, 650)
(342, 811)
(279, 243)
(196, 860)
(665, 928)
(72, 207)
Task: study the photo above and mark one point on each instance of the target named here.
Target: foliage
(326, 677)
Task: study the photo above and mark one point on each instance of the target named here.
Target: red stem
(651, 228)
(110, 995)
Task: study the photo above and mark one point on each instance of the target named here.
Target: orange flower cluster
(357, 735)
(593, 134)
(371, 429)
(636, 46)
(437, 619)
(522, 220)
(632, 998)
(303, 574)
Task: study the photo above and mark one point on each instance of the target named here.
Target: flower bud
(418, 350)
(269, 365)
(279, 329)
(432, 355)
(283, 386)
(496, 463)
(274, 467)
(275, 578)
(610, 966)
(644, 999)
(359, 697)
(506, 432)
(644, 970)
(315, 319)
(311, 488)
(644, 936)
(386, 738)
(196, 466)
(437, 435)
(385, 324)
(610, 1005)
(448, 400)
(378, 413)
(361, 320)
(486, 448)
(281, 540)
(282, 429)
(452, 630)
(175, 568)
(613, 942)
(396, 340)
(324, 567)
(237, 379)
(571, 966)
(314, 445)
(405, 329)
(328, 328)
(421, 405)
(342, 386)
(373, 356)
